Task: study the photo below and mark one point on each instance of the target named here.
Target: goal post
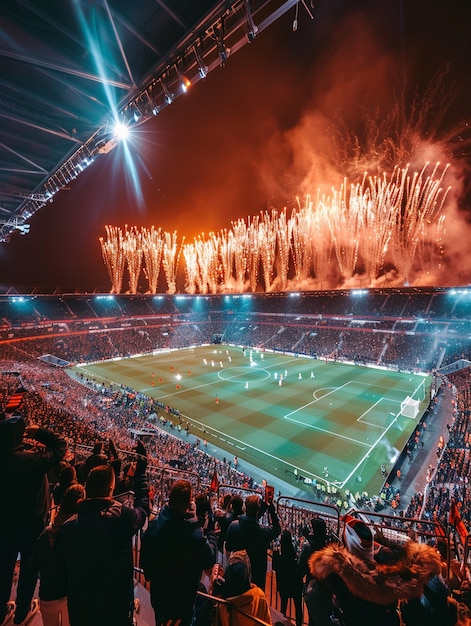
(410, 407)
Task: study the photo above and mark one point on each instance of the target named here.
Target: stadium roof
(70, 69)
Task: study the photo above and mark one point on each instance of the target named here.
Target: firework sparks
(283, 241)
(152, 246)
(253, 253)
(350, 232)
(113, 255)
(302, 233)
(239, 241)
(170, 257)
(423, 201)
(267, 236)
(192, 274)
(132, 247)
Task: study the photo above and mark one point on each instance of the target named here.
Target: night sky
(276, 122)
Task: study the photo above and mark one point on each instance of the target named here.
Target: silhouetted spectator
(315, 540)
(174, 553)
(221, 516)
(24, 503)
(435, 607)
(96, 458)
(45, 562)
(247, 533)
(289, 582)
(245, 600)
(67, 477)
(96, 549)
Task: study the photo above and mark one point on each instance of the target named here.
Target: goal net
(410, 407)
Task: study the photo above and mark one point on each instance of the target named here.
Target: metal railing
(295, 514)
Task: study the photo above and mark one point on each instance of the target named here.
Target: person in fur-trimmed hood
(361, 582)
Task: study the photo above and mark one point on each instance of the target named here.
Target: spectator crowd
(79, 491)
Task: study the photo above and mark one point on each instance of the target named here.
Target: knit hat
(358, 538)
(238, 574)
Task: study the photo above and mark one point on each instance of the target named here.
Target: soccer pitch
(286, 414)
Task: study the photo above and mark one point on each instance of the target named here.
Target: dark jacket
(23, 481)
(367, 593)
(289, 583)
(46, 562)
(311, 545)
(453, 613)
(223, 519)
(96, 550)
(174, 553)
(247, 533)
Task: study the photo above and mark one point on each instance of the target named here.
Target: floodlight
(224, 52)
(251, 28)
(121, 131)
(185, 82)
(202, 68)
(168, 95)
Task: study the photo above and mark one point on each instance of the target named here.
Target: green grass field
(320, 414)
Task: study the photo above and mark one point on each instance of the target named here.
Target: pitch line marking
(355, 469)
(334, 389)
(362, 421)
(244, 444)
(324, 430)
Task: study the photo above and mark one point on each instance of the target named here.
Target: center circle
(245, 374)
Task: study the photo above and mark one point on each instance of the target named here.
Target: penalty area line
(324, 430)
(220, 435)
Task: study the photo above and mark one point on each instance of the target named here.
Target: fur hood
(380, 584)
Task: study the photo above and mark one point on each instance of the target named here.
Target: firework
(170, 258)
(152, 246)
(227, 253)
(267, 237)
(423, 202)
(253, 252)
(132, 247)
(113, 255)
(302, 238)
(239, 242)
(283, 243)
(349, 233)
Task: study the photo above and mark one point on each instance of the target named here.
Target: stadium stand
(426, 330)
